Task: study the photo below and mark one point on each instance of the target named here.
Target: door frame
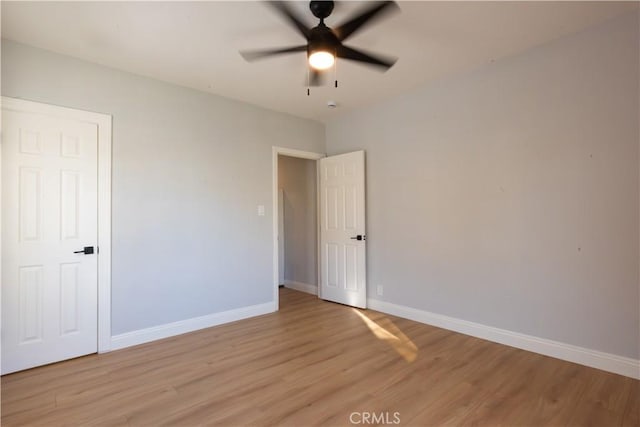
(309, 155)
(103, 121)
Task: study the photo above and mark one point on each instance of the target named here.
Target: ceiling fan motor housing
(321, 9)
(322, 38)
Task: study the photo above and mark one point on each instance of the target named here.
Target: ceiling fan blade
(252, 55)
(376, 10)
(316, 78)
(313, 78)
(283, 8)
(358, 55)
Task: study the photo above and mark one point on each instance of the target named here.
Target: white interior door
(342, 229)
(49, 212)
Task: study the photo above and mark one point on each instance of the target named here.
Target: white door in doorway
(49, 222)
(342, 229)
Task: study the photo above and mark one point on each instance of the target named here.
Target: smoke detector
(332, 104)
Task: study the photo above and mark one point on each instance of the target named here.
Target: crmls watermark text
(374, 418)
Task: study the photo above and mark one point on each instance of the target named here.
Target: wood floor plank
(318, 363)
(632, 411)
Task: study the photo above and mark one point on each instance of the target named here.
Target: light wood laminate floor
(316, 362)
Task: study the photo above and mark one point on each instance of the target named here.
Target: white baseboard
(583, 356)
(302, 287)
(167, 330)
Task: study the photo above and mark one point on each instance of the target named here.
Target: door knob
(359, 237)
(88, 250)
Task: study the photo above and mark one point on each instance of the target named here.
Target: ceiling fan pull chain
(335, 68)
(308, 83)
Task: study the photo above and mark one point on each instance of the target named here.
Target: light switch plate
(260, 210)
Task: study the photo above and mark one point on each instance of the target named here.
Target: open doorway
(297, 224)
(295, 220)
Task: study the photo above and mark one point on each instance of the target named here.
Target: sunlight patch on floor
(385, 330)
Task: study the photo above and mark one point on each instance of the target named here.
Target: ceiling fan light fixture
(321, 60)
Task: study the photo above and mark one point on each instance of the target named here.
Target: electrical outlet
(260, 210)
(379, 290)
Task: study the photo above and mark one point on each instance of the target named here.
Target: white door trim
(103, 121)
(274, 191)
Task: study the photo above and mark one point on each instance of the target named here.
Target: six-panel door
(49, 211)
(342, 220)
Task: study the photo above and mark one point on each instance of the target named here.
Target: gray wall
(509, 196)
(189, 170)
(297, 177)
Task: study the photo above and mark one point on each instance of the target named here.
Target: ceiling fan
(325, 44)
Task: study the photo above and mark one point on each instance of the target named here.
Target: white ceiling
(195, 44)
